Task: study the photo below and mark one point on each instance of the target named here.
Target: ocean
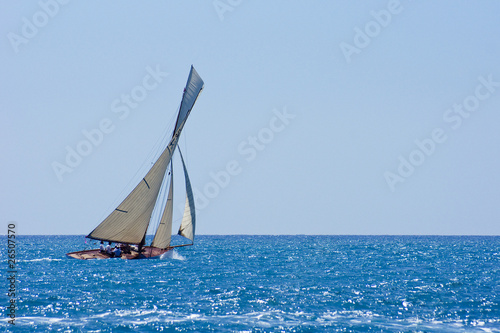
(260, 284)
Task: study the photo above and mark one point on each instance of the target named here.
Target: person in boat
(125, 248)
(102, 248)
(108, 248)
(117, 252)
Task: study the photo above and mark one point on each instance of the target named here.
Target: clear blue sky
(377, 117)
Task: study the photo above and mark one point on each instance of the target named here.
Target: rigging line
(152, 156)
(160, 145)
(185, 143)
(161, 202)
(155, 152)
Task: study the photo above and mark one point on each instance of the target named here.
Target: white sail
(164, 231)
(189, 218)
(129, 222)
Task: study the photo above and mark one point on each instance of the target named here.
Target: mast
(129, 222)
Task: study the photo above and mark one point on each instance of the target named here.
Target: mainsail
(128, 223)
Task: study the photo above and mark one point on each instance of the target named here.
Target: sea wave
(274, 320)
(39, 259)
(266, 284)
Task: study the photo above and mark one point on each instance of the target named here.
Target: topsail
(193, 88)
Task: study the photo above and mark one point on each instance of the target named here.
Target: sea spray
(173, 254)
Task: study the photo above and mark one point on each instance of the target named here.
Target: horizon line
(367, 235)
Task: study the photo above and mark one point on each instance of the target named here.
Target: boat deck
(148, 252)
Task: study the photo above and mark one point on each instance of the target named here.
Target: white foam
(40, 259)
(39, 320)
(172, 255)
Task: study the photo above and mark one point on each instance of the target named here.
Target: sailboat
(129, 222)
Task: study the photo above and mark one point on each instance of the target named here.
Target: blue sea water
(262, 284)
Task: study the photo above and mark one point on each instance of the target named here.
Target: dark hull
(147, 252)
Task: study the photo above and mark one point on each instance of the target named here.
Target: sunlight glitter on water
(267, 283)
